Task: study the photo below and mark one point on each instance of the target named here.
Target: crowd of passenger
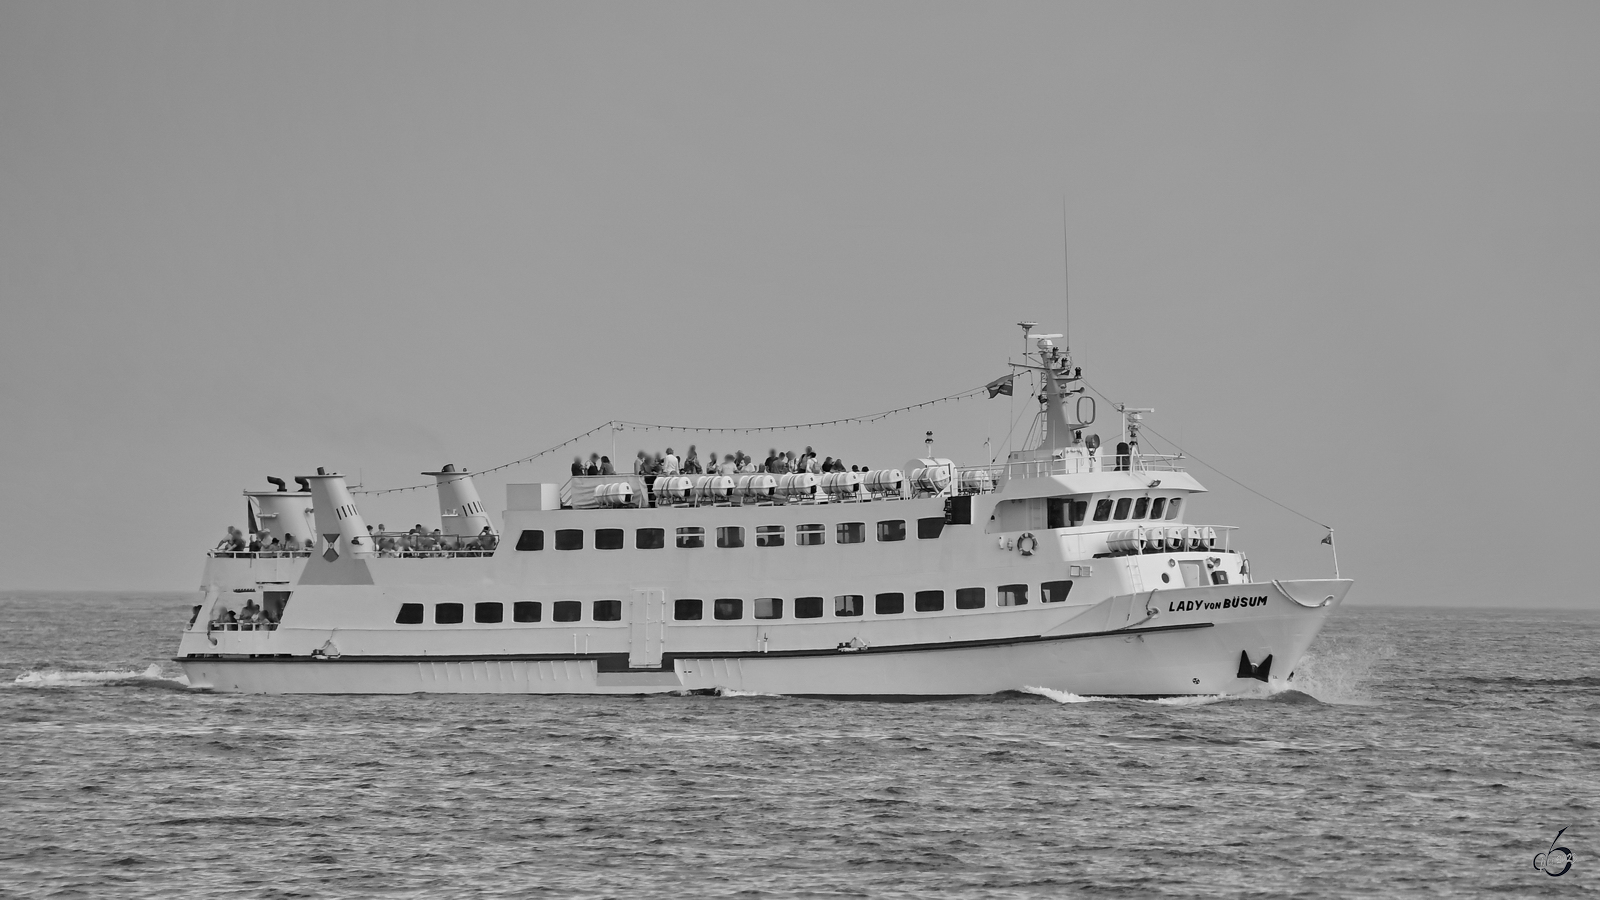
(252, 614)
(416, 542)
(669, 463)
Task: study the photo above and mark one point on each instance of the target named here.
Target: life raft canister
(1027, 543)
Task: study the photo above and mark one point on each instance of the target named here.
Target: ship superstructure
(1070, 566)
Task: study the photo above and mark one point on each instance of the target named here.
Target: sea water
(1424, 751)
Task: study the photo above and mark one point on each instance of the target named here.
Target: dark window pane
(852, 532)
(1013, 595)
(448, 613)
(728, 608)
(488, 613)
(892, 530)
(1102, 510)
(608, 538)
(526, 611)
(849, 605)
(1122, 508)
(810, 535)
(569, 539)
(650, 538)
(1079, 509)
(769, 607)
(927, 529)
(1140, 507)
(687, 610)
(689, 538)
(1172, 508)
(769, 535)
(730, 536)
(410, 614)
(608, 610)
(531, 540)
(1056, 513)
(1055, 591)
(930, 601)
(808, 607)
(1219, 577)
(889, 604)
(1157, 507)
(969, 598)
(567, 611)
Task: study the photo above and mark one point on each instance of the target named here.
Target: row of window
(727, 609)
(694, 536)
(1156, 507)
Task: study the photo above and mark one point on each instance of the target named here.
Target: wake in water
(1275, 691)
(53, 678)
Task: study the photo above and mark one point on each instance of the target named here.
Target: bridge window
(969, 598)
(769, 535)
(769, 607)
(726, 608)
(650, 538)
(687, 610)
(448, 613)
(1157, 507)
(889, 604)
(567, 611)
(930, 601)
(569, 539)
(410, 614)
(1122, 508)
(1172, 508)
(810, 535)
(892, 530)
(928, 529)
(608, 538)
(1013, 595)
(849, 605)
(691, 537)
(808, 607)
(1076, 510)
(730, 536)
(1102, 510)
(852, 532)
(1140, 507)
(608, 610)
(531, 539)
(1055, 591)
(488, 613)
(525, 611)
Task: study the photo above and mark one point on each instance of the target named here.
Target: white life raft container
(976, 481)
(884, 481)
(671, 488)
(615, 493)
(841, 484)
(797, 485)
(756, 486)
(713, 487)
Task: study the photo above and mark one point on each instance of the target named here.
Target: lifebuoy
(1027, 543)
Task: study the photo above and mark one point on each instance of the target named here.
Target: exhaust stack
(461, 512)
(340, 529)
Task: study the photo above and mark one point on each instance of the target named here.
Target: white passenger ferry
(1070, 567)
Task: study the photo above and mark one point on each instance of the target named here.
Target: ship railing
(259, 554)
(971, 478)
(242, 626)
(578, 492)
(406, 545)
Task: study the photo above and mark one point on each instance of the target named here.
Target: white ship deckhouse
(1070, 566)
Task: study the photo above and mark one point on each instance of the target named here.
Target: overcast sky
(1348, 251)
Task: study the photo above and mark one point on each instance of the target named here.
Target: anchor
(1259, 673)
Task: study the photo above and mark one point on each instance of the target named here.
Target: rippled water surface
(1422, 751)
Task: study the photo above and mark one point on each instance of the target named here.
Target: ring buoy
(1027, 543)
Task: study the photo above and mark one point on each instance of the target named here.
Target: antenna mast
(1066, 284)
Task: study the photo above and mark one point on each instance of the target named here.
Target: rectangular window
(1157, 507)
(852, 532)
(448, 613)
(488, 613)
(808, 607)
(1055, 591)
(1077, 509)
(928, 529)
(650, 538)
(569, 539)
(608, 610)
(410, 614)
(526, 611)
(849, 605)
(1172, 509)
(567, 611)
(889, 604)
(769, 535)
(1102, 510)
(1013, 595)
(969, 598)
(730, 536)
(769, 607)
(726, 608)
(1140, 507)
(1219, 577)
(687, 610)
(1056, 513)
(892, 530)
(810, 535)
(530, 539)
(689, 538)
(1122, 508)
(930, 601)
(608, 538)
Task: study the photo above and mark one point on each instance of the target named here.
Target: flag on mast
(1001, 385)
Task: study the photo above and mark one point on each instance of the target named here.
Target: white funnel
(460, 511)
(281, 513)
(340, 530)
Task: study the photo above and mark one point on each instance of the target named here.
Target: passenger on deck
(594, 465)
(257, 541)
(439, 541)
(827, 464)
(224, 617)
(577, 465)
(691, 462)
(747, 464)
(250, 611)
(290, 545)
(606, 468)
(771, 462)
(639, 463)
(669, 463)
(486, 540)
(728, 467)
